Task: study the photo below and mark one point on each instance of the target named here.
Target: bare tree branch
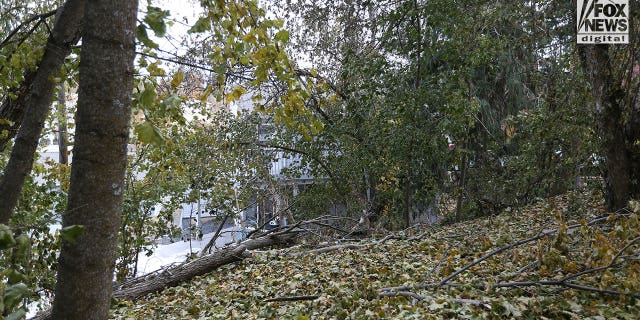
(15, 31)
(292, 298)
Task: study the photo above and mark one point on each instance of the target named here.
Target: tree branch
(35, 99)
(292, 298)
(15, 31)
(307, 73)
(543, 234)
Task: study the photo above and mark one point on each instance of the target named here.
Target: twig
(560, 283)
(388, 237)
(496, 251)
(13, 32)
(212, 242)
(292, 298)
(429, 286)
(529, 265)
(543, 234)
(404, 294)
(437, 266)
(610, 265)
(621, 251)
(344, 246)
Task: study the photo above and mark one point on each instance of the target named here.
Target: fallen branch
(292, 298)
(562, 282)
(541, 235)
(344, 246)
(184, 272)
(428, 298)
(559, 283)
(207, 248)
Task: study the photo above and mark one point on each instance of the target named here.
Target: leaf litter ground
(579, 270)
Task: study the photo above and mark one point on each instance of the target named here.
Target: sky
(184, 14)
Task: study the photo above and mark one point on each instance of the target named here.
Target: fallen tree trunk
(171, 277)
(184, 272)
(174, 276)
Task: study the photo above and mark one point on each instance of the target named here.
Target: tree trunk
(36, 101)
(86, 263)
(62, 125)
(609, 99)
(461, 185)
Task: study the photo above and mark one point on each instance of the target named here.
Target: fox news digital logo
(603, 21)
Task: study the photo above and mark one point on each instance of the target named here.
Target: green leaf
(147, 97)
(6, 122)
(171, 102)
(511, 310)
(155, 70)
(6, 237)
(71, 233)
(148, 133)
(205, 95)
(141, 34)
(14, 294)
(14, 276)
(261, 73)
(235, 94)
(200, 26)
(282, 36)
(155, 19)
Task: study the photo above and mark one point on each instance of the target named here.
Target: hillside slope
(560, 258)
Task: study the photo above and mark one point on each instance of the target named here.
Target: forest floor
(561, 258)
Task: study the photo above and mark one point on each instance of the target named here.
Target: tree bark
(86, 263)
(36, 101)
(62, 125)
(609, 100)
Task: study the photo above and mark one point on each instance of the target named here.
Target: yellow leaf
(235, 94)
(177, 79)
(205, 95)
(250, 38)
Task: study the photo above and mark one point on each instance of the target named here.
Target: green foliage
(13, 290)
(21, 44)
(6, 238)
(198, 162)
(31, 260)
(382, 118)
(155, 19)
(148, 133)
(406, 79)
(140, 226)
(392, 84)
